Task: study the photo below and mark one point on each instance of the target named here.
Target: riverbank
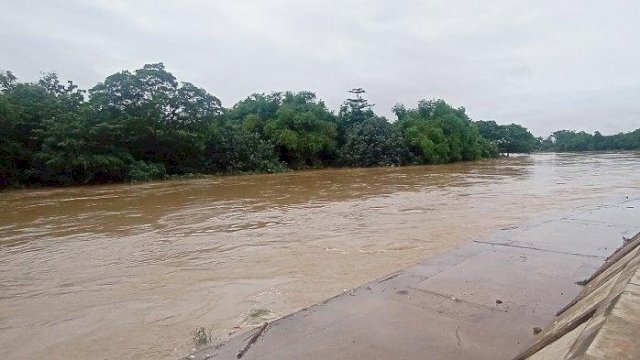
(483, 300)
(192, 176)
(328, 168)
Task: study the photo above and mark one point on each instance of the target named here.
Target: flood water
(129, 271)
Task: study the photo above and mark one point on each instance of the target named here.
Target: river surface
(129, 271)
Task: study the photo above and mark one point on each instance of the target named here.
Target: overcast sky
(544, 64)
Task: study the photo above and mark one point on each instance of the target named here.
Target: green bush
(143, 171)
(232, 150)
(373, 142)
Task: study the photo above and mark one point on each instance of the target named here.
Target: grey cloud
(544, 64)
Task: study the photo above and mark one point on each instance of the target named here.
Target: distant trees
(566, 140)
(145, 124)
(508, 139)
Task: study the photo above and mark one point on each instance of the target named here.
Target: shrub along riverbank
(145, 124)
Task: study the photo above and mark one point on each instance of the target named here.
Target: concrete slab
(565, 236)
(593, 231)
(541, 283)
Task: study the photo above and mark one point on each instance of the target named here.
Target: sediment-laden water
(128, 271)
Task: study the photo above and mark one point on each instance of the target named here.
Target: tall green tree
(366, 139)
(26, 111)
(436, 133)
(510, 138)
(76, 150)
(300, 127)
(355, 110)
(160, 119)
(303, 132)
(229, 148)
(373, 142)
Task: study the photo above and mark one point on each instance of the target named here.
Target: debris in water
(498, 301)
(537, 330)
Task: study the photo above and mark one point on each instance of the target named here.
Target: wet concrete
(603, 322)
(480, 301)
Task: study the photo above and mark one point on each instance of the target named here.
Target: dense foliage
(436, 133)
(367, 139)
(145, 124)
(510, 138)
(565, 140)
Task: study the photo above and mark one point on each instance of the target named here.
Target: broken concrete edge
(261, 329)
(615, 260)
(621, 252)
(605, 316)
(557, 333)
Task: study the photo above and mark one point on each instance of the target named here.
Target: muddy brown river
(129, 271)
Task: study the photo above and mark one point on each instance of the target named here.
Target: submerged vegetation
(201, 336)
(145, 124)
(259, 313)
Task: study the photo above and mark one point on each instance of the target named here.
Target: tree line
(566, 140)
(145, 124)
